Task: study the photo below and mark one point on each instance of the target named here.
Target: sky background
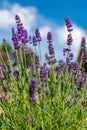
(47, 15)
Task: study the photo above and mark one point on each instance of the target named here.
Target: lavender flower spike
(37, 33)
(68, 24)
(49, 37)
(32, 91)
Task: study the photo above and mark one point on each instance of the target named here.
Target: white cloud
(28, 16)
(5, 19)
(61, 34)
(44, 30)
(77, 34)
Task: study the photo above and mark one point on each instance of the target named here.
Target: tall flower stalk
(38, 37)
(69, 37)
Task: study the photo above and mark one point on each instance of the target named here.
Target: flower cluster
(15, 39)
(21, 32)
(32, 91)
(21, 36)
(84, 52)
(51, 57)
(35, 39)
(37, 61)
(38, 36)
(69, 41)
(43, 74)
(83, 44)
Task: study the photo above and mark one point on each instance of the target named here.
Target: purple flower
(29, 52)
(74, 66)
(47, 92)
(71, 56)
(83, 102)
(72, 95)
(68, 24)
(33, 98)
(32, 90)
(52, 94)
(43, 73)
(1, 75)
(37, 61)
(52, 102)
(76, 81)
(34, 41)
(15, 73)
(3, 96)
(30, 39)
(51, 49)
(2, 67)
(47, 58)
(84, 57)
(31, 66)
(15, 39)
(0, 58)
(22, 33)
(24, 37)
(44, 84)
(67, 60)
(39, 89)
(77, 96)
(64, 51)
(61, 62)
(83, 75)
(37, 33)
(80, 88)
(49, 37)
(81, 81)
(58, 70)
(69, 39)
(17, 17)
(68, 103)
(83, 42)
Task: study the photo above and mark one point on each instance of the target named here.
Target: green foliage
(17, 108)
(20, 114)
(57, 100)
(79, 60)
(3, 52)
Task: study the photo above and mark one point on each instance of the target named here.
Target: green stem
(21, 56)
(40, 54)
(19, 67)
(9, 62)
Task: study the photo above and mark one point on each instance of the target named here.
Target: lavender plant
(42, 96)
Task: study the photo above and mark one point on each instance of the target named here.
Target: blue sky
(47, 15)
(56, 10)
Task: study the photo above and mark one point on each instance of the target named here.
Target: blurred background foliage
(79, 60)
(12, 55)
